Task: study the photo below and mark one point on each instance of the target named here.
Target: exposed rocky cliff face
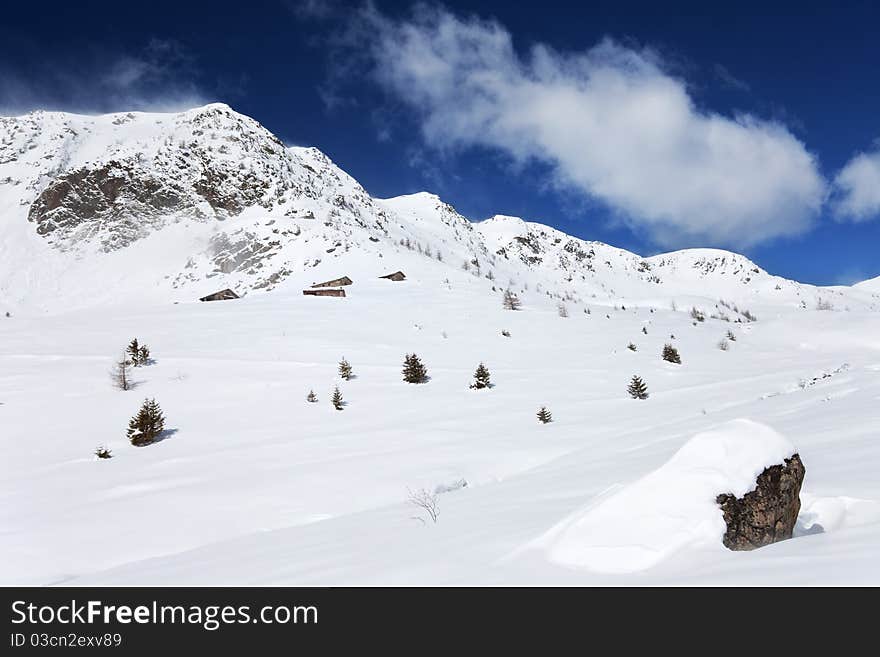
(79, 205)
(206, 164)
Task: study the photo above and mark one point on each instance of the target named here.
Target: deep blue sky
(813, 66)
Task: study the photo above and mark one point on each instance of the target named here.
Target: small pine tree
(311, 397)
(146, 426)
(120, 375)
(510, 301)
(631, 347)
(481, 378)
(413, 370)
(670, 354)
(134, 351)
(144, 355)
(544, 415)
(562, 310)
(731, 336)
(724, 345)
(345, 370)
(103, 453)
(336, 399)
(637, 388)
(645, 330)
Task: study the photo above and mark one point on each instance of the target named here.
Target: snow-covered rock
(643, 523)
(768, 513)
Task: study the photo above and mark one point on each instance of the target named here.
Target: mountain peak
(416, 198)
(212, 107)
(503, 228)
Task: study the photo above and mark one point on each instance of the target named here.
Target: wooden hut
(325, 292)
(222, 295)
(336, 282)
(396, 276)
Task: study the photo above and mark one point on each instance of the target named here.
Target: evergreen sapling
(637, 388)
(134, 352)
(481, 378)
(146, 426)
(670, 354)
(336, 399)
(345, 371)
(413, 370)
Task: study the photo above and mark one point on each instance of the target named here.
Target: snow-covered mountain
(187, 197)
(94, 209)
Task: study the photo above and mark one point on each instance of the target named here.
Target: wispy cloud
(850, 276)
(314, 9)
(332, 98)
(159, 76)
(611, 122)
(856, 194)
(729, 80)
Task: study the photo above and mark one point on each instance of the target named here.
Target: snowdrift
(640, 525)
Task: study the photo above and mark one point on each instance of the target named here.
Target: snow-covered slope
(871, 285)
(111, 227)
(254, 485)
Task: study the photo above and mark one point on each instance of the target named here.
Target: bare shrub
(510, 301)
(426, 501)
(120, 375)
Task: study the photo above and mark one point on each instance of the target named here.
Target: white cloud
(609, 120)
(160, 76)
(857, 189)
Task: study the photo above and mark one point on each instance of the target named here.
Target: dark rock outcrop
(222, 295)
(768, 513)
(117, 192)
(208, 163)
